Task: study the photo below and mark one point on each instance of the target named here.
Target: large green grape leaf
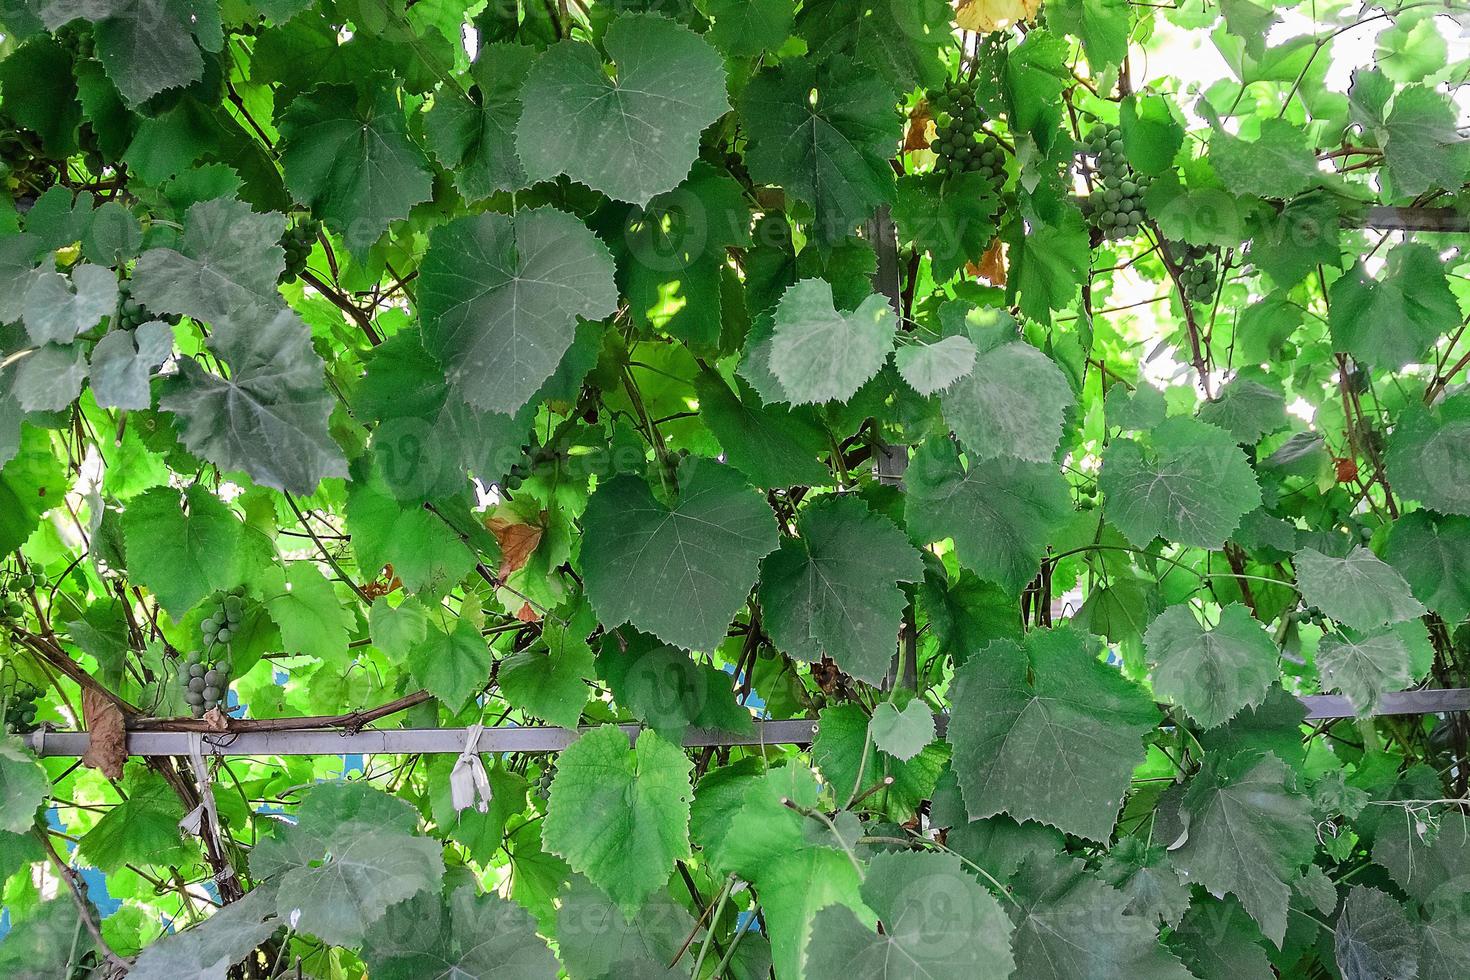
(635, 134)
(550, 683)
(327, 807)
(147, 46)
(1141, 872)
(452, 664)
(49, 378)
(427, 554)
(23, 785)
(1422, 146)
(1069, 924)
(46, 944)
(58, 307)
(833, 590)
(346, 154)
(1249, 407)
(1433, 555)
(900, 41)
(825, 134)
(794, 888)
(1211, 673)
(620, 814)
(1192, 485)
(304, 605)
(852, 764)
(819, 353)
(1364, 667)
(1043, 730)
(31, 483)
(1012, 403)
(229, 259)
(1444, 943)
(1278, 163)
(680, 572)
(1358, 590)
(366, 869)
(774, 445)
(208, 950)
(1429, 454)
(475, 140)
(1243, 828)
(143, 829)
(123, 360)
(668, 691)
(499, 299)
(182, 546)
(269, 417)
(1374, 937)
(938, 921)
(595, 940)
(1000, 512)
(462, 936)
(1391, 321)
(1218, 941)
(1049, 261)
(743, 28)
(902, 734)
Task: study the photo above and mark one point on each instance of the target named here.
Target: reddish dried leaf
(517, 541)
(921, 126)
(992, 265)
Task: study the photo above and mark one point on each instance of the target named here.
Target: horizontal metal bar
(429, 741)
(1385, 218)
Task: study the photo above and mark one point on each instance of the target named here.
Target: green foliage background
(578, 364)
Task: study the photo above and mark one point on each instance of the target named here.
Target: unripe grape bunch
(298, 242)
(132, 314)
(960, 146)
(205, 675)
(1115, 206)
(11, 606)
(1198, 271)
(18, 704)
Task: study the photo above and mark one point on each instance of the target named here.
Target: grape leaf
(637, 553)
(1433, 555)
(743, 28)
(1000, 512)
(229, 260)
(1374, 937)
(774, 445)
(595, 939)
(1248, 408)
(1048, 262)
(49, 378)
(550, 684)
(1044, 731)
(1278, 163)
(143, 829)
(1390, 322)
(1211, 673)
(452, 664)
(1358, 590)
(833, 590)
(1429, 450)
(930, 368)
(851, 764)
(305, 606)
(1193, 485)
(182, 546)
(1364, 667)
(59, 307)
(475, 140)
(463, 936)
(269, 418)
(819, 353)
(1218, 941)
(1069, 924)
(902, 734)
(1422, 147)
(427, 554)
(829, 150)
(123, 360)
(631, 136)
(208, 950)
(937, 921)
(23, 786)
(1012, 404)
(900, 41)
(31, 483)
(620, 815)
(499, 298)
(950, 216)
(669, 692)
(1244, 829)
(147, 46)
(346, 154)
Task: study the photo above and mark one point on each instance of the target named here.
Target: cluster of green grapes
(960, 146)
(1310, 614)
(1116, 203)
(77, 39)
(533, 457)
(206, 674)
(298, 242)
(132, 314)
(11, 607)
(1197, 270)
(21, 170)
(18, 705)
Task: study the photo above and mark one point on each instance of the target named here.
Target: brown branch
(352, 721)
(339, 300)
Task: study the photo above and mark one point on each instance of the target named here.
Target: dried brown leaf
(107, 745)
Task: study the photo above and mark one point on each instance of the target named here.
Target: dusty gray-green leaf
(819, 353)
(58, 307)
(228, 261)
(1358, 590)
(499, 299)
(930, 368)
(123, 361)
(1211, 673)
